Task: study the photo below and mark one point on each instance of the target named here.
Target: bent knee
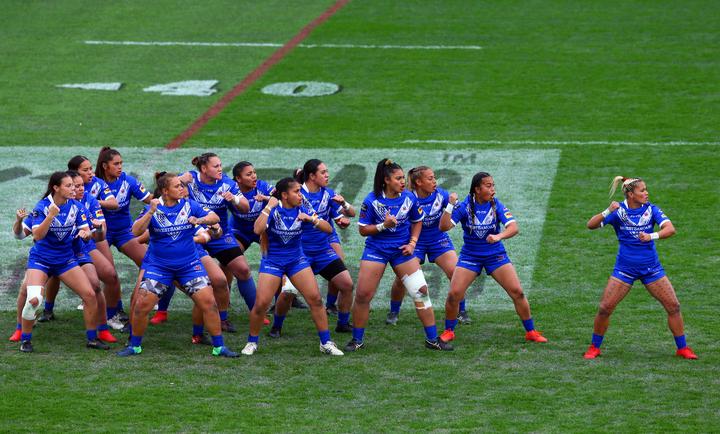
(673, 308)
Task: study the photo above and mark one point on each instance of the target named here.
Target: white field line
(559, 142)
(272, 44)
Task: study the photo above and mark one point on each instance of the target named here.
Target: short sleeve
(659, 216)
(138, 189)
(416, 213)
(503, 213)
(105, 192)
(38, 215)
(459, 213)
(610, 219)
(198, 210)
(368, 216)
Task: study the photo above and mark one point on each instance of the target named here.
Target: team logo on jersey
(644, 219)
(175, 228)
(432, 216)
(62, 230)
(216, 200)
(508, 215)
(123, 191)
(285, 232)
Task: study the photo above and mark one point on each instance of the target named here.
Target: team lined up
(202, 215)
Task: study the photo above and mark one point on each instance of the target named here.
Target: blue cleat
(129, 351)
(224, 352)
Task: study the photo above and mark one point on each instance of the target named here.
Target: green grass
(566, 71)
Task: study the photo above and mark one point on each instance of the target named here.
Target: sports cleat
(129, 351)
(275, 333)
(159, 317)
(115, 322)
(331, 310)
(343, 328)
(437, 344)
(97, 344)
(122, 316)
(298, 304)
(592, 352)
(224, 352)
(106, 336)
(266, 322)
(26, 347)
(15, 337)
(201, 340)
(227, 326)
(330, 348)
(686, 353)
(126, 329)
(447, 336)
(463, 318)
(47, 315)
(535, 336)
(354, 345)
(81, 306)
(392, 318)
(250, 349)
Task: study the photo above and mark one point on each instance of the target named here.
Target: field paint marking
(253, 76)
(273, 44)
(92, 86)
(524, 177)
(559, 142)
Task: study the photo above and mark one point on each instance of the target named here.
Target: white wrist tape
(346, 206)
(606, 212)
(654, 236)
(449, 208)
(236, 199)
(380, 227)
(29, 311)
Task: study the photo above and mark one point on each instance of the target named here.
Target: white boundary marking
(273, 45)
(560, 142)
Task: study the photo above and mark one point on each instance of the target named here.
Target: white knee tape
(289, 287)
(414, 283)
(29, 311)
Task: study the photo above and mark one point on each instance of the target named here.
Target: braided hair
(475, 183)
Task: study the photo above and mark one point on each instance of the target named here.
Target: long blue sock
(91, 334)
(324, 336)
(528, 324)
(395, 306)
(217, 341)
(49, 305)
(110, 311)
(680, 342)
(597, 340)
(252, 338)
(102, 327)
(331, 300)
(18, 326)
(223, 315)
(462, 305)
(278, 321)
(358, 333)
(164, 301)
(135, 341)
(450, 324)
(343, 318)
(198, 329)
(119, 305)
(431, 332)
(247, 291)
(26, 336)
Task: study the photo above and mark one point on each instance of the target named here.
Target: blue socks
(252, 338)
(135, 341)
(18, 326)
(324, 336)
(119, 305)
(450, 324)
(395, 306)
(91, 334)
(680, 342)
(164, 301)
(49, 305)
(26, 336)
(278, 321)
(528, 324)
(331, 300)
(110, 311)
(247, 291)
(358, 333)
(431, 332)
(462, 305)
(102, 327)
(597, 340)
(217, 341)
(223, 315)
(198, 329)
(343, 318)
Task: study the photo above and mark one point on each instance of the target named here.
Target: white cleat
(81, 306)
(330, 348)
(115, 322)
(249, 349)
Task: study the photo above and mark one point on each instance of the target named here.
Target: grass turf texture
(631, 71)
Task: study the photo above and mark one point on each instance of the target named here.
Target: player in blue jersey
(172, 256)
(257, 192)
(433, 244)
(124, 187)
(391, 219)
(210, 187)
(324, 260)
(283, 226)
(56, 218)
(481, 215)
(634, 220)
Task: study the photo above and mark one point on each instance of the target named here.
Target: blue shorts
(433, 250)
(50, 268)
(646, 274)
(476, 263)
(333, 238)
(278, 267)
(119, 238)
(246, 239)
(321, 259)
(201, 250)
(227, 241)
(394, 257)
(166, 275)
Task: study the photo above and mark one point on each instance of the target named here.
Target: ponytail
(106, 155)
(283, 186)
(54, 181)
(384, 169)
(414, 174)
(628, 185)
(162, 179)
(75, 162)
(202, 159)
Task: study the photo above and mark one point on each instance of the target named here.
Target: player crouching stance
(172, 256)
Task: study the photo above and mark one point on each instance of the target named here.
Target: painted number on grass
(301, 88)
(185, 88)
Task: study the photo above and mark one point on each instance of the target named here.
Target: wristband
(316, 222)
(380, 227)
(606, 212)
(267, 214)
(346, 206)
(654, 236)
(449, 208)
(236, 199)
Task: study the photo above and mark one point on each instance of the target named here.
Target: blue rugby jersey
(99, 189)
(433, 207)
(628, 223)
(284, 232)
(123, 188)
(210, 196)
(477, 224)
(406, 210)
(56, 247)
(171, 235)
(319, 203)
(244, 222)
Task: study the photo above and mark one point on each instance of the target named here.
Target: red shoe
(106, 336)
(592, 352)
(17, 334)
(201, 340)
(535, 336)
(686, 353)
(447, 336)
(159, 317)
(266, 321)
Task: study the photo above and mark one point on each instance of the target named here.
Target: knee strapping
(29, 311)
(289, 287)
(413, 284)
